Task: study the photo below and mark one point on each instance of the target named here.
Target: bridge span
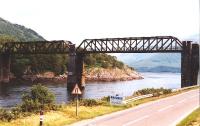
(156, 44)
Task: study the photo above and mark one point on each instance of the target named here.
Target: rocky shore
(91, 74)
(47, 77)
(102, 74)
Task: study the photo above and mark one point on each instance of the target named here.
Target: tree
(38, 98)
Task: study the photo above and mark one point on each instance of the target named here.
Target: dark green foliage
(90, 60)
(42, 63)
(34, 64)
(155, 92)
(103, 60)
(18, 31)
(19, 65)
(39, 98)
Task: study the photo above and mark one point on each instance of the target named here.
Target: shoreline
(91, 75)
(61, 80)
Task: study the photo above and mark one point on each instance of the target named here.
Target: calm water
(10, 95)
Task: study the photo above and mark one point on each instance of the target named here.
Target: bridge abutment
(4, 68)
(75, 70)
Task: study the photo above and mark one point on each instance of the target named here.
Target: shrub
(6, 115)
(155, 92)
(38, 98)
(167, 91)
(16, 112)
(106, 98)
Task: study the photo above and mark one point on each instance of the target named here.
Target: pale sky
(76, 20)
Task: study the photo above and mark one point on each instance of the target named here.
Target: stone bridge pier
(194, 64)
(189, 64)
(4, 68)
(75, 69)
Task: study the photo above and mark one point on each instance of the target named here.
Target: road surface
(164, 112)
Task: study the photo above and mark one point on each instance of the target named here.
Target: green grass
(66, 114)
(192, 120)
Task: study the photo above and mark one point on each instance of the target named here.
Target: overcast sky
(76, 20)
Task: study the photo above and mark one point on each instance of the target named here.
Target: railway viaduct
(156, 44)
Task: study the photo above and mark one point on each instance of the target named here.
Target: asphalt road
(164, 112)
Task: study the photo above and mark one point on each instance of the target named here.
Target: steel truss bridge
(106, 45)
(156, 44)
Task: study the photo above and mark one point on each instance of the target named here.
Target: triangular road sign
(76, 90)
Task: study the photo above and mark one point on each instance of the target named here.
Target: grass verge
(192, 120)
(66, 114)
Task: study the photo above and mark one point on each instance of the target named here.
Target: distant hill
(160, 69)
(18, 31)
(153, 62)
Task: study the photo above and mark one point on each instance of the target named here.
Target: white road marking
(163, 109)
(134, 121)
(181, 101)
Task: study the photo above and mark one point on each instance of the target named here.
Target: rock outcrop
(116, 74)
(91, 74)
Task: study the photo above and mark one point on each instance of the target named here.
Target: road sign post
(41, 118)
(77, 105)
(76, 91)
